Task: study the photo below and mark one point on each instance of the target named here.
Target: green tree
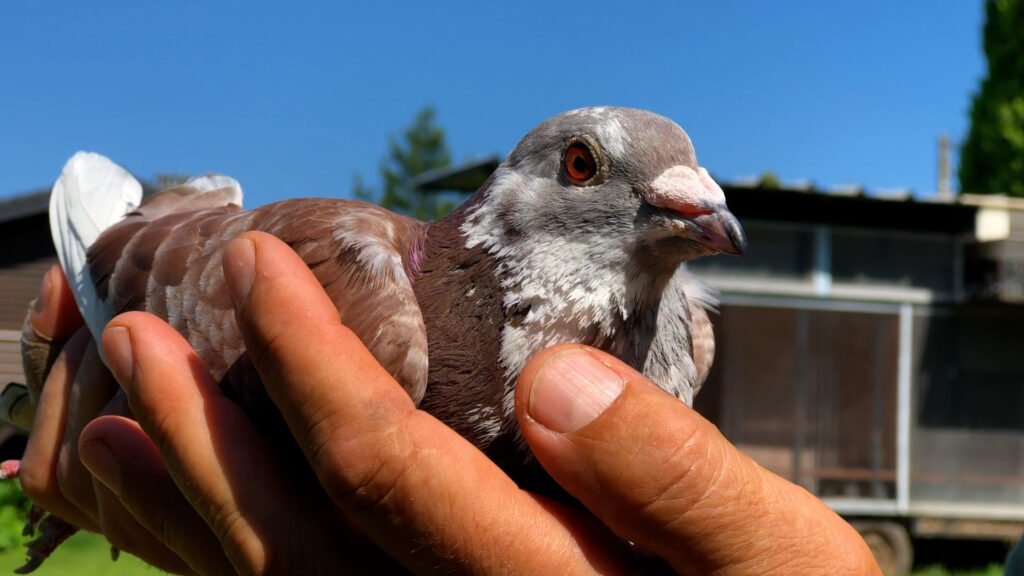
(420, 148)
(770, 180)
(992, 156)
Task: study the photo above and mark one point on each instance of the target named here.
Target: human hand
(418, 490)
(70, 387)
(660, 475)
(143, 511)
(644, 464)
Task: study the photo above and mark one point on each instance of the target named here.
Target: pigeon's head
(613, 178)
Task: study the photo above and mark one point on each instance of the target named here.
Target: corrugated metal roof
(37, 202)
(468, 176)
(855, 190)
(465, 177)
(992, 201)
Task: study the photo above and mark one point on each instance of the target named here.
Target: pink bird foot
(10, 469)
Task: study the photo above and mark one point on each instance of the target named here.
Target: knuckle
(34, 484)
(72, 479)
(264, 345)
(704, 477)
(687, 476)
(38, 480)
(371, 469)
(251, 552)
(230, 525)
(374, 489)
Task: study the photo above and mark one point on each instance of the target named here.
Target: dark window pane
(772, 251)
(810, 394)
(871, 258)
(967, 422)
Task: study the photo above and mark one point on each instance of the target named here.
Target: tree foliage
(992, 156)
(769, 179)
(420, 148)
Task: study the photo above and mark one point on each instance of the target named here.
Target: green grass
(88, 554)
(85, 554)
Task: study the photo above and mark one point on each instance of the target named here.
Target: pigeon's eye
(580, 165)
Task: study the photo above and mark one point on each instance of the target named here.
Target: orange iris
(580, 165)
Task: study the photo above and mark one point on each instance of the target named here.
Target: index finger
(54, 314)
(51, 320)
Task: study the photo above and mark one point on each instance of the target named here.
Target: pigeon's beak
(697, 205)
(721, 231)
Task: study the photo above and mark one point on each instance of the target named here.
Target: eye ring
(579, 163)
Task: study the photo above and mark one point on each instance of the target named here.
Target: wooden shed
(26, 252)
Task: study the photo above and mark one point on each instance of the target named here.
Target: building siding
(19, 284)
(26, 252)
(10, 357)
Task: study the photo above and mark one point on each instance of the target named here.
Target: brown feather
(170, 265)
(702, 342)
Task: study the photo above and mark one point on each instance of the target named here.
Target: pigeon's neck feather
(569, 285)
(561, 285)
(460, 297)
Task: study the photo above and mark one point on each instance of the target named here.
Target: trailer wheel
(890, 543)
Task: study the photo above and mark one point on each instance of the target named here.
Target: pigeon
(580, 235)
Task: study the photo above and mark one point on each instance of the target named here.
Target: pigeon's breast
(461, 298)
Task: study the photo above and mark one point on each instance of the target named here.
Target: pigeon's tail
(91, 195)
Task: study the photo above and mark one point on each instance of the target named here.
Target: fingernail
(240, 268)
(571, 389)
(100, 460)
(118, 350)
(44, 291)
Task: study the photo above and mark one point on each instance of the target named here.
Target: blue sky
(293, 101)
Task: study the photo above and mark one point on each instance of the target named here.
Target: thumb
(660, 475)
